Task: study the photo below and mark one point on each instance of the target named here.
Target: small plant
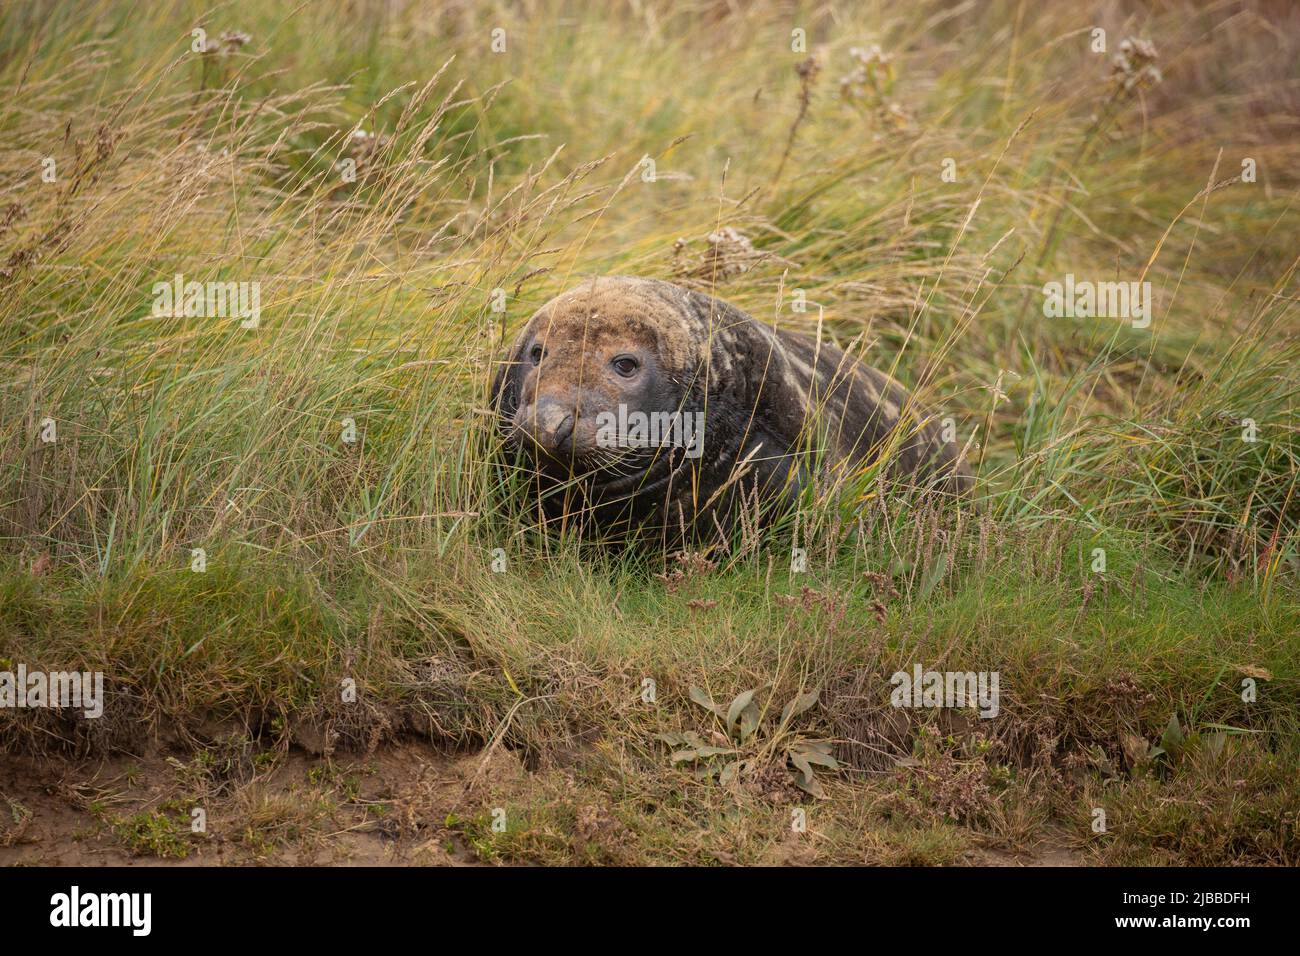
(948, 778)
(740, 753)
(869, 87)
(163, 834)
(14, 818)
(1177, 744)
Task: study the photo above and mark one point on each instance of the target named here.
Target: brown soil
(386, 809)
(395, 807)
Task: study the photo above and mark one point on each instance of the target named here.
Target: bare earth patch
(404, 805)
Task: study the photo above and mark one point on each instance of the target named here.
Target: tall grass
(484, 177)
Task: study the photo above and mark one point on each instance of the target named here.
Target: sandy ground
(386, 809)
(390, 808)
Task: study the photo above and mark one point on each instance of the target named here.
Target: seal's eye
(626, 365)
(536, 355)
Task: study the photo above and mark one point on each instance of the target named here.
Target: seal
(635, 405)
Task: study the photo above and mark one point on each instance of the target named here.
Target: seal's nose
(550, 425)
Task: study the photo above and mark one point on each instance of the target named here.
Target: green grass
(369, 561)
(163, 834)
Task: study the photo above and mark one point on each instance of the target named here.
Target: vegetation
(248, 517)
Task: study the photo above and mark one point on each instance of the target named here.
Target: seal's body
(639, 404)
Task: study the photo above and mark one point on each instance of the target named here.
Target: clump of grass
(1222, 806)
(270, 821)
(163, 833)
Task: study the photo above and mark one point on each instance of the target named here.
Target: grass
(163, 834)
(332, 472)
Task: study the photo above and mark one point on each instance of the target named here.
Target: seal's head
(587, 360)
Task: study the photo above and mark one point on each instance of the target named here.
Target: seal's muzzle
(548, 424)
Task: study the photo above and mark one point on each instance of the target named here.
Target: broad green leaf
(817, 746)
(1172, 739)
(701, 697)
(800, 761)
(822, 760)
(934, 577)
(800, 704)
(729, 773)
(716, 751)
(738, 705)
(809, 785)
(748, 721)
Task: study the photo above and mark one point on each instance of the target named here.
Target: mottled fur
(777, 401)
